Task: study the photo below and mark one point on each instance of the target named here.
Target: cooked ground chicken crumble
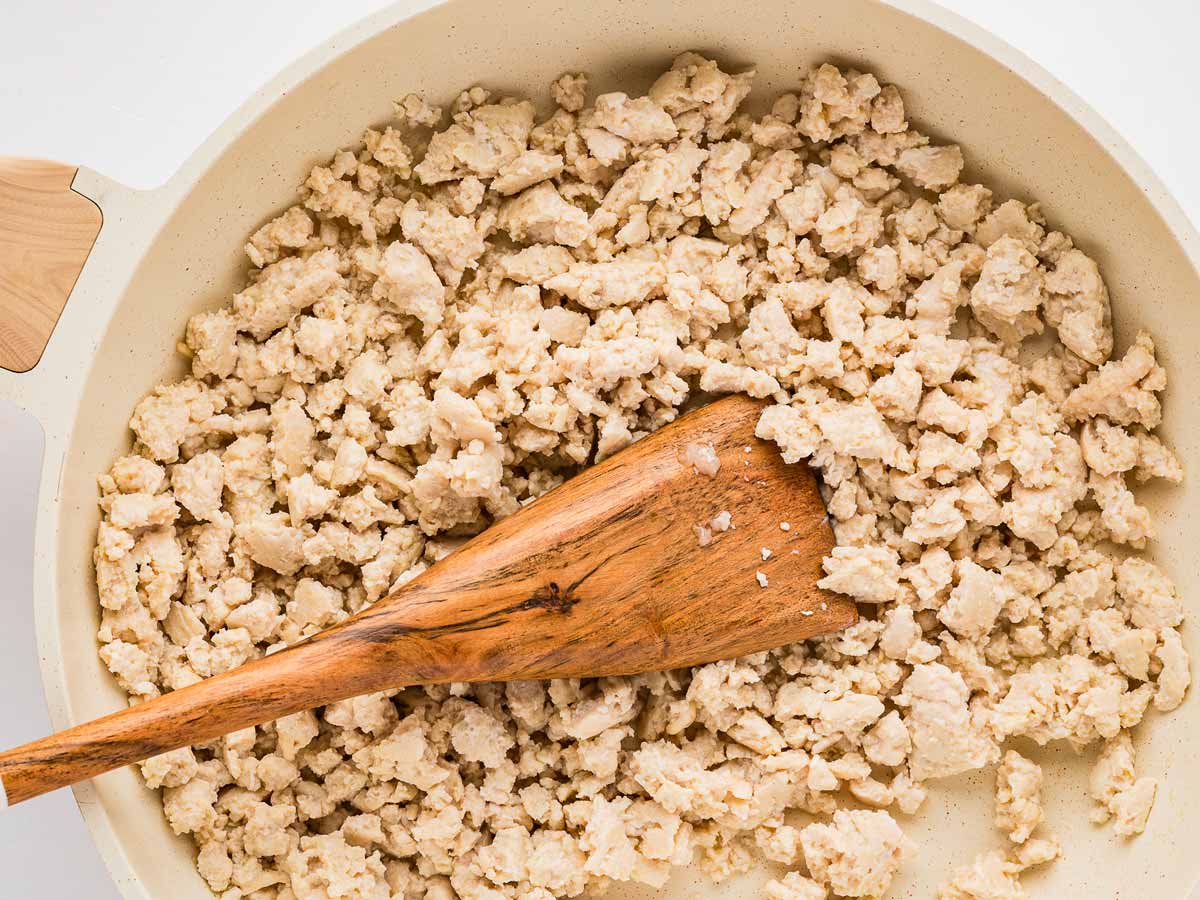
(454, 320)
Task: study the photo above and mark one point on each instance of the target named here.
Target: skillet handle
(47, 230)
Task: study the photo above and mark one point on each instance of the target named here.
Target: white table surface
(131, 88)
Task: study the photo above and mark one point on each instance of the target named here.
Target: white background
(131, 88)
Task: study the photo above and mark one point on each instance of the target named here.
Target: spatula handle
(261, 691)
(418, 635)
(422, 634)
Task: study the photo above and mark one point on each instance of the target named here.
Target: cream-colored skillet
(163, 255)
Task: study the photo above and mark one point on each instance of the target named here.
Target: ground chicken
(457, 316)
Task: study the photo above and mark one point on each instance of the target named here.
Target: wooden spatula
(604, 575)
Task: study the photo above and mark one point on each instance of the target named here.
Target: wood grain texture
(46, 233)
(601, 576)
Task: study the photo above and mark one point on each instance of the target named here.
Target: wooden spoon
(604, 575)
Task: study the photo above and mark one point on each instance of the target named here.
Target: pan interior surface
(1017, 139)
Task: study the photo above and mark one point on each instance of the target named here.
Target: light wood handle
(46, 233)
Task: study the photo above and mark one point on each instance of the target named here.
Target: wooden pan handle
(46, 233)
